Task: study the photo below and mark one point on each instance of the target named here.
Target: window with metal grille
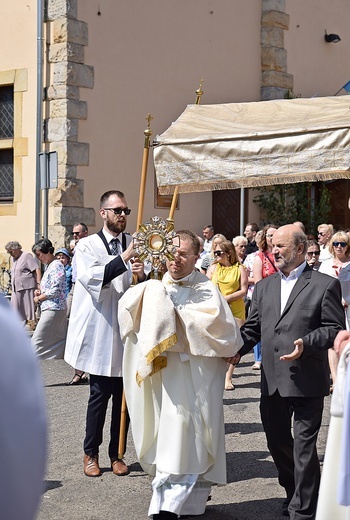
(6, 111)
(6, 175)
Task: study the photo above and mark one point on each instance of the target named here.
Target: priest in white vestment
(334, 496)
(178, 335)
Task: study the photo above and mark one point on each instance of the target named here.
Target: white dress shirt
(288, 282)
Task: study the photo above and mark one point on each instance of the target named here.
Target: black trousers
(101, 389)
(295, 455)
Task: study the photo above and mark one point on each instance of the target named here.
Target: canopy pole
(199, 94)
(199, 91)
(147, 133)
(173, 203)
(146, 146)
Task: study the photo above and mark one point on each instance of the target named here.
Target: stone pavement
(252, 490)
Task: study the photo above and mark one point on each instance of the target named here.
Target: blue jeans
(257, 353)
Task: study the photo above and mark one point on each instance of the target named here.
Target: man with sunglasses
(104, 272)
(80, 230)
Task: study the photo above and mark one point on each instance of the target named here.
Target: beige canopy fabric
(239, 145)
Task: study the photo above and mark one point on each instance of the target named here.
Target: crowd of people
(275, 290)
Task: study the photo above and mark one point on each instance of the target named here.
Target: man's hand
(234, 360)
(297, 352)
(129, 252)
(138, 269)
(340, 342)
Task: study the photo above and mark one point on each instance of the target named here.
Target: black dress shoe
(165, 515)
(285, 505)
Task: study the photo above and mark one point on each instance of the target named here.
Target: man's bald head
(289, 247)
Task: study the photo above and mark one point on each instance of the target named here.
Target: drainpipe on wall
(241, 213)
(39, 110)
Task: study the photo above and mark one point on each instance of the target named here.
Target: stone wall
(275, 82)
(64, 109)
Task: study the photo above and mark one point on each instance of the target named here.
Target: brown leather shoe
(91, 467)
(119, 467)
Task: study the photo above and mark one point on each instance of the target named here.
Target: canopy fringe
(253, 182)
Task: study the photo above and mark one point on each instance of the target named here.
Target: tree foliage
(287, 203)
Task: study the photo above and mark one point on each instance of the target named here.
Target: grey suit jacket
(314, 313)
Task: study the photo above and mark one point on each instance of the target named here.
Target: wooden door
(226, 212)
(340, 213)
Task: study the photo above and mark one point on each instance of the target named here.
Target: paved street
(252, 490)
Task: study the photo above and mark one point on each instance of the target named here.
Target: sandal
(78, 379)
(229, 386)
(257, 365)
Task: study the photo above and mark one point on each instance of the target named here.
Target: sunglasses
(218, 253)
(341, 244)
(311, 253)
(119, 211)
(321, 234)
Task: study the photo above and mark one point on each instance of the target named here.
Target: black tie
(114, 246)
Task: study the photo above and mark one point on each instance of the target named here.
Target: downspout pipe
(241, 213)
(39, 115)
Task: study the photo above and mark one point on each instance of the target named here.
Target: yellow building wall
(18, 43)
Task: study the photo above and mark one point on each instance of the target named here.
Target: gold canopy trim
(215, 147)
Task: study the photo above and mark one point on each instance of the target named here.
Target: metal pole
(39, 110)
(241, 219)
(45, 196)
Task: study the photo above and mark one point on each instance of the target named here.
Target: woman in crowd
(264, 263)
(248, 264)
(50, 334)
(263, 266)
(232, 280)
(25, 278)
(324, 235)
(240, 243)
(313, 254)
(209, 258)
(339, 248)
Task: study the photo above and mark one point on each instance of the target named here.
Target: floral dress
(49, 337)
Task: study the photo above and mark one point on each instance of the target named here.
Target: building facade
(107, 64)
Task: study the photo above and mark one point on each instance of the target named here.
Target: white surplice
(93, 340)
(177, 412)
(334, 495)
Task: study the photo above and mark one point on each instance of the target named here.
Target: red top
(268, 263)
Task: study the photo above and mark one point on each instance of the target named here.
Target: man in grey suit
(296, 313)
